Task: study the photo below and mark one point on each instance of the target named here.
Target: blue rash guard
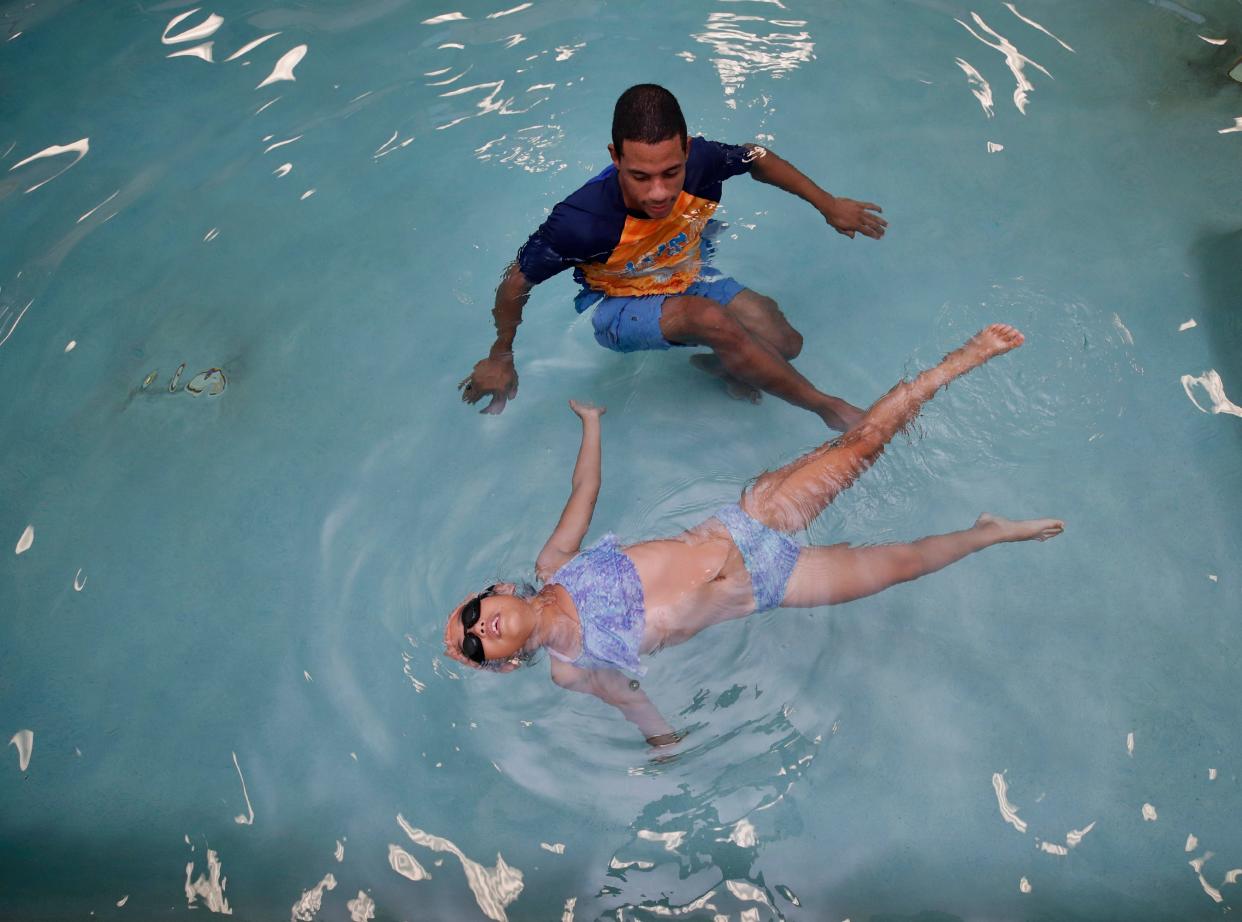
(606, 591)
(623, 253)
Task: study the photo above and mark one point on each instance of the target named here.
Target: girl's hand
(585, 411)
(664, 748)
(672, 738)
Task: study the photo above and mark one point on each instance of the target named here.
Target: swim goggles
(471, 645)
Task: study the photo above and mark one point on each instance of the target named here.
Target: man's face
(651, 175)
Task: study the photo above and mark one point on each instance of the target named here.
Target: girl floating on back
(601, 609)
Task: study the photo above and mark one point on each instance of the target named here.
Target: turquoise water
(223, 628)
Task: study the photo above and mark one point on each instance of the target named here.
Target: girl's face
(504, 625)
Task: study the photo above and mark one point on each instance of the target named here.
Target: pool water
(223, 585)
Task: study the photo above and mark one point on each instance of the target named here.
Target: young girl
(601, 609)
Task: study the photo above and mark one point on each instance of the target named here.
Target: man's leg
(762, 317)
(702, 322)
(831, 575)
(790, 498)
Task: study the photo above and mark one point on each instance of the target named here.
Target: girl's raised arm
(567, 537)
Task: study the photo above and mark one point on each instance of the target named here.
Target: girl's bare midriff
(690, 582)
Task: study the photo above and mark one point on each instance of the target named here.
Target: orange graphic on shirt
(654, 256)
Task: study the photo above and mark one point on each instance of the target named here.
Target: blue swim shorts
(633, 324)
(769, 555)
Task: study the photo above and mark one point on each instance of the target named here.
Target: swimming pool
(220, 644)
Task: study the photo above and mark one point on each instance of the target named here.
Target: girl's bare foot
(991, 341)
(1024, 530)
(995, 339)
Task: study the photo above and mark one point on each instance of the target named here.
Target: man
(633, 236)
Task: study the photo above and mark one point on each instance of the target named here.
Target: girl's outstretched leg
(789, 499)
(831, 575)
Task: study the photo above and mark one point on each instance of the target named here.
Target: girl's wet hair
(522, 589)
(524, 657)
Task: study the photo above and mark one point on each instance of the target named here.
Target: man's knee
(788, 340)
(703, 320)
(791, 344)
(770, 323)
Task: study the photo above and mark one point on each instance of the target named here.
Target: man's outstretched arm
(495, 375)
(845, 214)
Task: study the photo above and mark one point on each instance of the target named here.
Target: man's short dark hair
(647, 113)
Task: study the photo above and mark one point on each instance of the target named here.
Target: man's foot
(1026, 530)
(840, 415)
(738, 390)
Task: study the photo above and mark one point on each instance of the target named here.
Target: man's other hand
(849, 217)
(494, 377)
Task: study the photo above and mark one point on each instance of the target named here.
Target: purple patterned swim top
(606, 590)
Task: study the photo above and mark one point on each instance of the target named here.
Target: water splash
(284, 67)
(742, 48)
(210, 887)
(1033, 24)
(510, 12)
(211, 382)
(1015, 60)
(243, 819)
(1009, 813)
(23, 740)
(444, 17)
(250, 46)
(81, 147)
(100, 205)
(405, 864)
(361, 908)
(272, 147)
(670, 840)
(307, 906)
(1075, 836)
(493, 888)
(1210, 381)
(207, 27)
(9, 320)
(203, 52)
(981, 89)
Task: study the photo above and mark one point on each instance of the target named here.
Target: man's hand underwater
(849, 217)
(494, 377)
